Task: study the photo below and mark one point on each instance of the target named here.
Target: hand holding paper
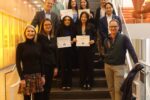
(64, 42)
(83, 41)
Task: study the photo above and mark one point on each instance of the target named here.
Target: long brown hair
(42, 31)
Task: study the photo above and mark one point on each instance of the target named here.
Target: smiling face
(83, 4)
(73, 3)
(109, 9)
(47, 26)
(30, 33)
(48, 5)
(113, 27)
(84, 18)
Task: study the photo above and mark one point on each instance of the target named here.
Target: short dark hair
(115, 21)
(108, 3)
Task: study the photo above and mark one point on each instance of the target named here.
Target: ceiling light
(25, 2)
(35, 2)
(38, 5)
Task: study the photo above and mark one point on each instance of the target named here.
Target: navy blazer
(98, 16)
(41, 15)
(90, 30)
(104, 27)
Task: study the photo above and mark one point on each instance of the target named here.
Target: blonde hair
(30, 26)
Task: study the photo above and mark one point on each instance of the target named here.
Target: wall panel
(1, 42)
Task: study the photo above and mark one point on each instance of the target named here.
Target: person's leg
(48, 82)
(90, 70)
(38, 96)
(118, 80)
(110, 80)
(27, 97)
(82, 68)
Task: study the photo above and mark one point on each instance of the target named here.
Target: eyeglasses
(113, 26)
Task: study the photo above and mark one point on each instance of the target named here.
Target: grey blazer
(41, 15)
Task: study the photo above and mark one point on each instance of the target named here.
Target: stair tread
(78, 89)
(85, 99)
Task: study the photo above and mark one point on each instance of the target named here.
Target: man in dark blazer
(46, 13)
(100, 12)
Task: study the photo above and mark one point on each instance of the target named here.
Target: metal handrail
(6, 71)
(124, 31)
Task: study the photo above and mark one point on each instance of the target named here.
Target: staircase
(129, 18)
(98, 92)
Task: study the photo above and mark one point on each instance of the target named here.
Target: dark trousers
(86, 66)
(48, 71)
(66, 62)
(36, 96)
(66, 76)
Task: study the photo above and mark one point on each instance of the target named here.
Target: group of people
(38, 59)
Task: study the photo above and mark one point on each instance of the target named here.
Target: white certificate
(83, 41)
(67, 12)
(83, 10)
(64, 42)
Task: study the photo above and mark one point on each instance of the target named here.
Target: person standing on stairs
(47, 40)
(116, 46)
(29, 66)
(86, 54)
(66, 55)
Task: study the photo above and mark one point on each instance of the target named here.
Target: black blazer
(104, 26)
(49, 50)
(98, 16)
(90, 30)
(41, 15)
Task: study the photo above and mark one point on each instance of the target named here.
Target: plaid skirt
(33, 84)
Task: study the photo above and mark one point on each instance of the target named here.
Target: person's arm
(35, 20)
(102, 33)
(56, 57)
(56, 22)
(18, 61)
(130, 48)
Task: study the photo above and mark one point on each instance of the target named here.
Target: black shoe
(64, 88)
(84, 87)
(68, 88)
(89, 87)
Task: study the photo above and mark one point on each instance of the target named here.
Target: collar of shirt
(47, 14)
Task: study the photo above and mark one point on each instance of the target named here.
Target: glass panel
(143, 50)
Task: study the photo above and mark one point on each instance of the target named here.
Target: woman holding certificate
(65, 42)
(85, 40)
(48, 44)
